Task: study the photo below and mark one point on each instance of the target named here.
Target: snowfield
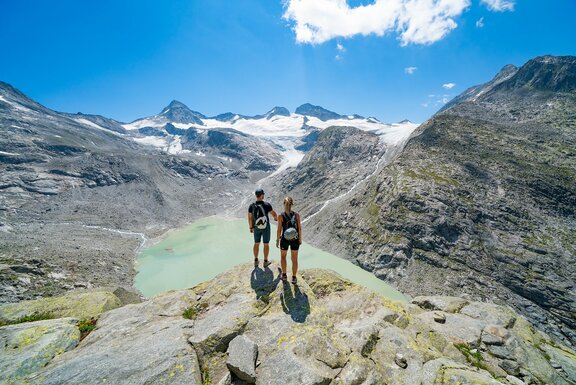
(285, 131)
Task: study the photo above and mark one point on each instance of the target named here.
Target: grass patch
(426, 174)
(86, 326)
(192, 312)
(473, 356)
(206, 377)
(28, 318)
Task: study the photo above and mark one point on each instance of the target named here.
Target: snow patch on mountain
(285, 130)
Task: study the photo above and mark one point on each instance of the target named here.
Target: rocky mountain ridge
(480, 203)
(256, 329)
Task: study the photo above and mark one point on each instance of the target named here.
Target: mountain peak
(277, 111)
(178, 112)
(317, 111)
(544, 73)
(176, 104)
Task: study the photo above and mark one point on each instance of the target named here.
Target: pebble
(400, 360)
(555, 364)
(439, 317)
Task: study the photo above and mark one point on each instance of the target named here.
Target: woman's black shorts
(284, 244)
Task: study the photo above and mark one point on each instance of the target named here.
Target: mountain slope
(77, 198)
(481, 202)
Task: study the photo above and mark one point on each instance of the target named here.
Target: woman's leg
(294, 255)
(283, 260)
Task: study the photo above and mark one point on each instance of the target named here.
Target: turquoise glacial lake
(210, 246)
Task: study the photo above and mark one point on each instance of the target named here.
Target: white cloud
(340, 47)
(499, 5)
(480, 23)
(436, 101)
(449, 86)
(415, 21)
(410, 70)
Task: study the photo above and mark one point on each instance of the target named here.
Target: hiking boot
(267, 263)
(294, 280)
(255, 262)
(284, 277)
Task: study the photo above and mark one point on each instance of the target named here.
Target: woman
(289, 235)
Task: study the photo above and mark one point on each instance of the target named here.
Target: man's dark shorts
(259, 234)
(294, 245)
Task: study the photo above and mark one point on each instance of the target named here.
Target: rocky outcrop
(317, 112)
(481, 203)
(26, 348)
(83, 305)
(340, 158)
(235, 149)
(325, 330)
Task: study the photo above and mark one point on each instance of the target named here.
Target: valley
(478, 201)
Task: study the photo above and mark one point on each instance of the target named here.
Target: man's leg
(266, 240)
(256, 249)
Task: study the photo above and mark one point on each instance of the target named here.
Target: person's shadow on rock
(296, 304)
(263, 282)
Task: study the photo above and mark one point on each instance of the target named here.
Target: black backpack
(290, 227)
(259, 218)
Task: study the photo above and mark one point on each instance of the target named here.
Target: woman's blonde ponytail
(288, 202)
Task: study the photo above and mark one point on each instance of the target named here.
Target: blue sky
(392, 59)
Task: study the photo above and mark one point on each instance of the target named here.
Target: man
(259, 224)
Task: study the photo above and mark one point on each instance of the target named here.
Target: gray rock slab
(215, 329)
(394, 341)
(134, 344)
(284, 368)
(358, 370)
(457, 328)
(431, 369)
(242, 356)
(490, 313)
(514, 380)
(458, 376)
(565, 358)
(226, 380)
(444, 303)
(25, 348)
(495, 335)
(75, 304)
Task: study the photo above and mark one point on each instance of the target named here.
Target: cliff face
(246, 326)
(481, 202)
(340, 158)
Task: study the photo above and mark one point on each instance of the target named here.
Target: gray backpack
(290, 227)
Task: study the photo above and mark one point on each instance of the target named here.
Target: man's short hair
(259, 192)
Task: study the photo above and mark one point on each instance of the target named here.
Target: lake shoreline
(199, 251)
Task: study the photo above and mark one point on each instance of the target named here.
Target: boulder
(444, 303)
(77, 304)
(135, 344)
(490, 313)
(242, 355)
(285, 368)
(26, 348)
(495, 335)
(358, 370)
(457, 328)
